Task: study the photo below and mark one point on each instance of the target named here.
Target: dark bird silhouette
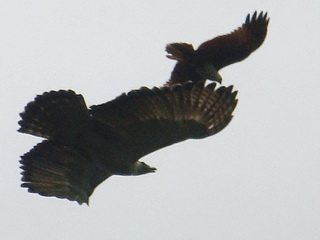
(211, 56)
(83, 147)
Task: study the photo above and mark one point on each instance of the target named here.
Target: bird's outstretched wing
(149, 119)
(59, 167)
(55, 115)
(237, 45)
(83, 144)
(62, 171)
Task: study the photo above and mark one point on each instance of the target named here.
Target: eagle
(84, 146)
(214, 54)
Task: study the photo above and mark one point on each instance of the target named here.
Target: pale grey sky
(257, 179)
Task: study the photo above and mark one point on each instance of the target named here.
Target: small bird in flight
(212, 55)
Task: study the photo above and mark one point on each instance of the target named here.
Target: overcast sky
(257, 179)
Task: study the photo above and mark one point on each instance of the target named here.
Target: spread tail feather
(52, 169)
(55, 115)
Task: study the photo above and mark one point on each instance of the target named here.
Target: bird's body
(83, 147)
(212, 55)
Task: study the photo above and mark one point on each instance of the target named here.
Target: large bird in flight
(211, 56)
(83, 147)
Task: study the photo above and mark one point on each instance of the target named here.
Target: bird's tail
(53, 169)
(55, 115)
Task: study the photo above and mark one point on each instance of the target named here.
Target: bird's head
(140, 168)
(208, 71)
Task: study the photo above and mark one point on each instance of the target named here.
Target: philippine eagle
(83, 147)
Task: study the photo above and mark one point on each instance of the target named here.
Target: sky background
(257, 179)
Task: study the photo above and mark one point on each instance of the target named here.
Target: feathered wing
(237, 45)
(150, 119)
(53, 169)
(59, 167)
(55, 115)
(134, 124)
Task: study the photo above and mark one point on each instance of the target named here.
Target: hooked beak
(153, 169)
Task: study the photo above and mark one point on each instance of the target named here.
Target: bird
(212, 55)
(84, 146)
